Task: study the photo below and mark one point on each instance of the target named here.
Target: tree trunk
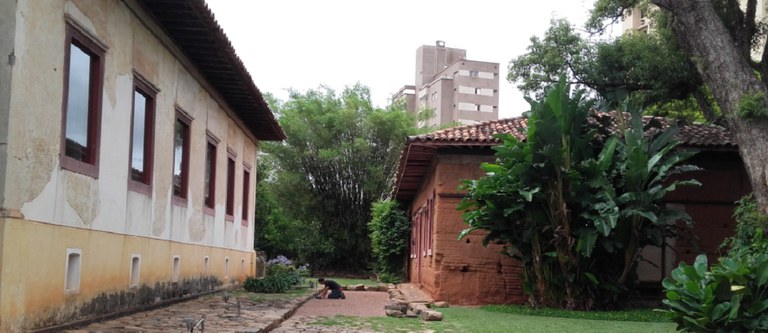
(727, 72)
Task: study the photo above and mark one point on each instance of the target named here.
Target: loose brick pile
(400, 305)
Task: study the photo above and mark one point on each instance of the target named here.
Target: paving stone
(222, 317)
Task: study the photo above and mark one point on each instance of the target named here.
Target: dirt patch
(357, 303)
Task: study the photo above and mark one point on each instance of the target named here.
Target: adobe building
(464, 272)
(455, 89)
(129, 133)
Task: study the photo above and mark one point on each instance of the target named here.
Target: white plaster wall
(138, 214)
(44, 192)
(7, 60)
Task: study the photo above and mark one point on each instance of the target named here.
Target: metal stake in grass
(191, 324)
(238, 308)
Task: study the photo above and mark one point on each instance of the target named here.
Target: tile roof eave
(227, 74)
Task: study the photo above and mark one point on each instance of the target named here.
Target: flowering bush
(281, 276)
(280, 260)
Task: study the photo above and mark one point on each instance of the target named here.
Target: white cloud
(302, 44)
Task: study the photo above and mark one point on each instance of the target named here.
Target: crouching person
(332, 289)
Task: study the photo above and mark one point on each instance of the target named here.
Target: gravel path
(357, 304)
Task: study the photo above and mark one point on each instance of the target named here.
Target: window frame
(186, 120)
(142, 86)
(245, 206)
(209, 206)
(96, 50)
(229, 210)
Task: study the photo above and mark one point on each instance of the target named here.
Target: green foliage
(277, 231)
(747, 239)
(280, 279)
(389, 240)
(732, 296)
(561, 51)
(339, 157)
(613, 11)
(270, 285)
(743, 24)
(649, 68)
(753, 106)
(575, 215)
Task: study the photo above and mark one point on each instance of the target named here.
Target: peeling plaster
(196, 226)
(83, 197)
(39, 159)
(40, 208)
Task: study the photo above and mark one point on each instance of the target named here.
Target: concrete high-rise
(452, 88)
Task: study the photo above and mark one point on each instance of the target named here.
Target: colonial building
(464, 272)
(129, 132)
(452, 88)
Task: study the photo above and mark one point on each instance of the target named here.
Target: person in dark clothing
(332, 289)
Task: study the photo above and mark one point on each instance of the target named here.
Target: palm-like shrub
(577, 204)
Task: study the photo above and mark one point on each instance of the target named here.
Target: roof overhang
(194, 30)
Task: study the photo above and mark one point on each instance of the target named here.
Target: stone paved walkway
(255, 316)
(261, 316)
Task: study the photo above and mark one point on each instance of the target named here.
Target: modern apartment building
(451, 87)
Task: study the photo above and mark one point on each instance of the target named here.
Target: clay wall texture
(465, 272)
(460, 271)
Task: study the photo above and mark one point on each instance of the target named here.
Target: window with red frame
(181, 155)
(230, 207)
(209, 183)
(142, 136)
(246, 190)
(81, 119)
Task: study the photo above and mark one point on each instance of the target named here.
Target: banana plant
(575, 206)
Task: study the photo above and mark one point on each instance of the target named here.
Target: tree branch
(664, 4)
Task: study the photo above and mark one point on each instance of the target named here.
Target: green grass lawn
(460, 319)
(647, 315)
(347, 282)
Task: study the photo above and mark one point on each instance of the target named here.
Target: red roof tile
(690, 134)
(419, 150)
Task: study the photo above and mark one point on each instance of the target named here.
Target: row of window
(74, 267)
(474, 73)
(477, 91)
(422, 233)
(476, 107)
(81, 126)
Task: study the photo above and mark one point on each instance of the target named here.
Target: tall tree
(340, 155)
(648, 67)
(718, 36)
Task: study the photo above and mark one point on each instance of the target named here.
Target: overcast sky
(302, 44)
